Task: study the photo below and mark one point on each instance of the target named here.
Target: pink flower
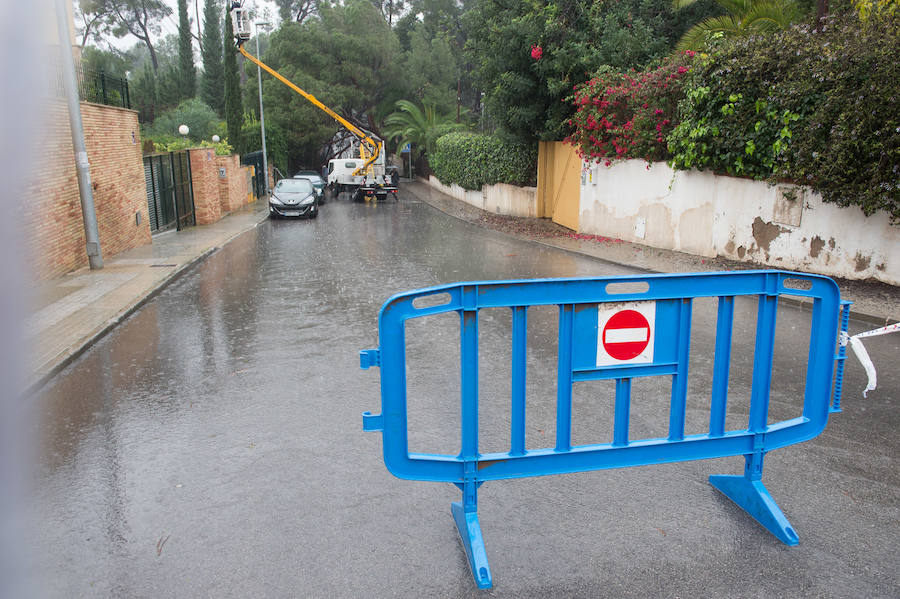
(537, 52)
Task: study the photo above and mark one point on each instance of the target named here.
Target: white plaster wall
(510, 200)
(740, 219)
(501, 198)
(650, 206)
(475, 198)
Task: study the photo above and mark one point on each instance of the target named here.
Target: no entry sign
(625, 333)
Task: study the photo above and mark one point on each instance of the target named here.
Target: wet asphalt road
(211, 446)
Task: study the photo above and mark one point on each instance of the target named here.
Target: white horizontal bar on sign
(626, 335)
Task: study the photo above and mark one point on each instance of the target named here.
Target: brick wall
(233, 188)
(220, 184)
(53, 222)
(205, 179)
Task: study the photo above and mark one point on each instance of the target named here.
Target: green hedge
(471, 160)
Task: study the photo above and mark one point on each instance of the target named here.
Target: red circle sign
(626, 335)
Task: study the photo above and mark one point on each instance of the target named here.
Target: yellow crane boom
(369, 149)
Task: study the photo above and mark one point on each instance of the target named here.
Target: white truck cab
(340, 173)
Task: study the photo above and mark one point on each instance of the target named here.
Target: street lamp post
(262, 118)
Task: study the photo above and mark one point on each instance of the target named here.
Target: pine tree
(187, 72)
(234, 112)
(212, 91)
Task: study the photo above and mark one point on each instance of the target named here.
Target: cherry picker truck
(375, 185)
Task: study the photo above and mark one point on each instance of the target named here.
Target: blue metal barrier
(608, 335)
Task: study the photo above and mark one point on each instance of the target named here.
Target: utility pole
(88, 214)
(262, 118)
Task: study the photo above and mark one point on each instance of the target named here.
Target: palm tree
(417, 126)
(741, 18)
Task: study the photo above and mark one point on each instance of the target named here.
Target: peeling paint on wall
(862, 262)
(815, 246)
(764, 233)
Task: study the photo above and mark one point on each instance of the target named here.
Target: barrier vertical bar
(519, 350)
(564, 379)
(680, 378)
(762, 362)
(748, 491)
(465, 513)
(724, 328)
(469, 390)
(623, 411)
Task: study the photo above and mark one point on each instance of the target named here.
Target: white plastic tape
(863, 356)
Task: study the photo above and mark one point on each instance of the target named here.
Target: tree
(139, 18)
(867, 9)
(187, 72)
(202, 122)
(527, 59)
(93, 15)
(528, 56)
(211, 86)
(348, 59)
(390, 9)
(110, 63)
(143, 94)
(431, 70)
(742, 18)
(303, 9)
(418, 127)
(234, 112)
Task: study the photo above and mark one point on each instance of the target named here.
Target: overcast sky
(170, 23)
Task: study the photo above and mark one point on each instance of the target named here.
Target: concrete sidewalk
(874, 302)
(70, 312)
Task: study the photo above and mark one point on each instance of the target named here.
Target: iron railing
(94, 85)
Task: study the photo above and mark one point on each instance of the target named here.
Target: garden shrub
(200, 119)
(813, 107)
(472, 160)
(849, 151)
(628, 115)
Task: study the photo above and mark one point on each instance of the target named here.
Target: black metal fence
(95, 86)
(170, 191)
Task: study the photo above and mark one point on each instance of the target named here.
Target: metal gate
(558, 184)
(255, 160)
(170, 192)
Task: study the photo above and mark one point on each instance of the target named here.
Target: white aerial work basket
(240, 22)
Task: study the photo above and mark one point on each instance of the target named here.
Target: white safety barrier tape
(862, 355)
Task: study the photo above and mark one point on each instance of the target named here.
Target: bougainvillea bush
(628, 115)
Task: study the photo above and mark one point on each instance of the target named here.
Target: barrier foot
(753, 497)
(470, 535)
